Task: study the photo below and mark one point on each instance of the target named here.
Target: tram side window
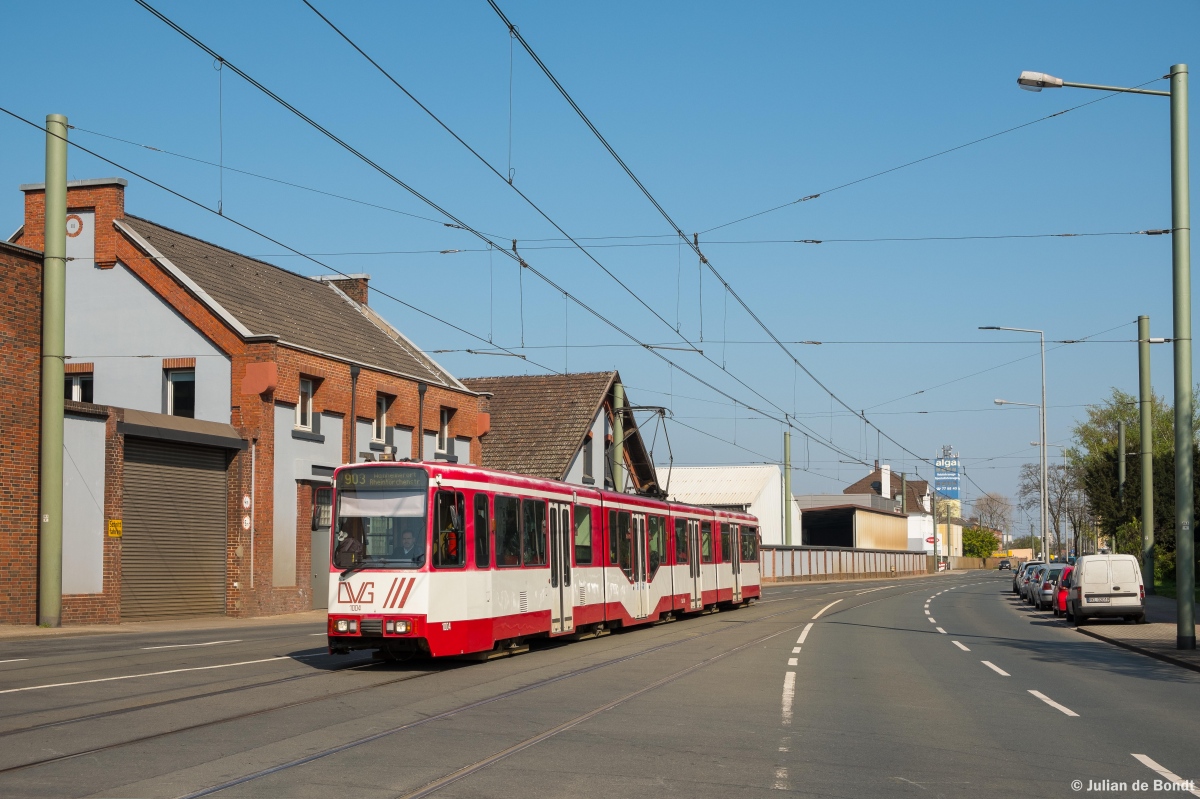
(681, 541)
(706, 547)
(625, 543)
(614, 545)
(726, 552)
(533, 530)
(749, 545)
(658, 543)
(508, 532)
(449, 532)
(583, 535)
(483, 533)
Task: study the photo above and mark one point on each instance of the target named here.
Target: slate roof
(539, 421)
(916, 488)
(267, 299)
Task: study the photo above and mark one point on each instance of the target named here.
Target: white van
(1106, 586)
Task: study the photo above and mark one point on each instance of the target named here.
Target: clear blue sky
(722, 110)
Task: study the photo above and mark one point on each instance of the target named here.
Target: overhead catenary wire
(914, 162)
(249, 229)
(457, 222)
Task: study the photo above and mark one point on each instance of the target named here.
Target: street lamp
(1042, 414)
(1181, 286)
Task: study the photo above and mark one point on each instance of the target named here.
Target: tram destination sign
(382, 478)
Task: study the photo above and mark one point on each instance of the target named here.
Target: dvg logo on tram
(346, 594)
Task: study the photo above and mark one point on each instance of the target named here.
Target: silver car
(1041, 591)
(1027, 580)
(1019, 574)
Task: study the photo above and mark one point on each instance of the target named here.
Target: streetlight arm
(1036, 81)
(1100, 88)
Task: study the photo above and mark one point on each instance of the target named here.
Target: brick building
(217, 393)
(20, 380)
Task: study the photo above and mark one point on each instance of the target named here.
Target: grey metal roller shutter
(173, 550)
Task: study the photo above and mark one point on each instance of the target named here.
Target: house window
(304, 405)
(78, 388)
(379, 428)
(589, 476)
(443, 439)
(181, 393)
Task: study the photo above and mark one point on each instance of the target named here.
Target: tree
(978, 542)
(1066, 502)
(994, 512)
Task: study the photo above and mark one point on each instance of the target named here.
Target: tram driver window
(583, 535)
(449, 530)
(483, 533)
(508, 532)
(706, 548)
(533, 531)
(681, 541)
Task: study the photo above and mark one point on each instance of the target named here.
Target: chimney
(353, 286)
(92, 205)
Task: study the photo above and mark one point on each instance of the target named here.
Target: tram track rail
(379, 684)
(450, 713)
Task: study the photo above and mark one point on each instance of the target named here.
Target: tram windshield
(381, 518)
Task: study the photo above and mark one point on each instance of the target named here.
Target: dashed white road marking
(960, 646)
(932, 620)
(793, 661)
(789, 695)
(781, 779)
(795, 650)
(1170, 776)
(926, 611)
(185, 646)
(804, 633)
(827, 607)
(871, 590)
(940, 630)
(321, 634)
(1054, 704)
(14, 660)
(993, 667)
(146, 674)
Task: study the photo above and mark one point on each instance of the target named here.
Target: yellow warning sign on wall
(114, 528)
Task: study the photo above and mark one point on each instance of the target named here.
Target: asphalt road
(940, 686)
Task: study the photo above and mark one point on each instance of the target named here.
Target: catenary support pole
(787, 487)
(1146, 452)
(618, 446)
(1181, 269)
(1121, 460)
(54, 291)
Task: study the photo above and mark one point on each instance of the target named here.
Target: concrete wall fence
(785, 564)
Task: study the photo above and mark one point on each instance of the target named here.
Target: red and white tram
(440, 559)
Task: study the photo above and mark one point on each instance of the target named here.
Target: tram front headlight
(403, 626)
(345, 625)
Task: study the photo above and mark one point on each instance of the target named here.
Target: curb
(1165, 658)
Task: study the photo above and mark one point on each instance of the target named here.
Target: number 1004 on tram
(441, 560)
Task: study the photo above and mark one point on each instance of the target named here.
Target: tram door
(562, 610)
(697, 582)
(736, 551)
(641, 585)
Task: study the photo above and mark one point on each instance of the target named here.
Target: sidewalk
(23, 632)
(1156, 638)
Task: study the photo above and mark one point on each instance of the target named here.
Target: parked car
(1060, 590)
(1020, 573)
(1107, 585)
(1004, 564)
(1027, 580)
(1041, 591)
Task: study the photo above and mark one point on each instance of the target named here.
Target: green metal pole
(1146, 452)
(787, 487)
(1181, 262)
(1121, 460)
(618, 447)
(54, 293)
